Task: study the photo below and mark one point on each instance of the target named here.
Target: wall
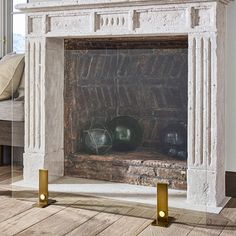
(231, 90)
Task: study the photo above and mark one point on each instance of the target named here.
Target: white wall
(231, 90)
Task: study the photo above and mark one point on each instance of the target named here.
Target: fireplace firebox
(142, 82)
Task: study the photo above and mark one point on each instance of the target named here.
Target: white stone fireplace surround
(203, 21)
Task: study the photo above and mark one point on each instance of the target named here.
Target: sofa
(11, 108)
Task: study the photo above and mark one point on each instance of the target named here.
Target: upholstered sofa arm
(12, 110)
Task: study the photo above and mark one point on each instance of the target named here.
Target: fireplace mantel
(43, 5)
(203, 21)
(122, 18)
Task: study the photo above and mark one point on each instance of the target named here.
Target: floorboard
(82, 215)
(137, 220)
(229, 230)
(26, 219)
(60, 223)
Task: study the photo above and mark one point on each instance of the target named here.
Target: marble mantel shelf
(42, 5)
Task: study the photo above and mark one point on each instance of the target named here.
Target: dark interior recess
(142, 78)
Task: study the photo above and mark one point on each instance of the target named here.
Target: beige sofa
(11, 123)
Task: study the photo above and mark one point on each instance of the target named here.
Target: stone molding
(43, 5)
(130, 21)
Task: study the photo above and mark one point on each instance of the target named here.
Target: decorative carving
(201, 16)
(47, 24)
(136, 20)
(144, 20)
(162, 19)
(33, 96)
(73, 23)
(35, 25)
(111, 21)
(194, 17)
(200, 107)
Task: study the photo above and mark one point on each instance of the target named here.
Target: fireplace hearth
(202, 22)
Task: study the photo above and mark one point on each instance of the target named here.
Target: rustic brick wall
(146, 80)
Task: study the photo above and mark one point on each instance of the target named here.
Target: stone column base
(53, 162)
(203, 189)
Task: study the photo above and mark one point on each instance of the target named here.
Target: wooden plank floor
(88, 216)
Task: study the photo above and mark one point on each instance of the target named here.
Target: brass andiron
(43, 200)
(162, 206)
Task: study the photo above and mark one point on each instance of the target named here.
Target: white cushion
(12, 110)
(11, 69)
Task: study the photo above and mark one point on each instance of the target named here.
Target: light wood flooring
(87, 216)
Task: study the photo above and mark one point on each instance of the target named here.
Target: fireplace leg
(203, 188)
(44, 108)
(206, 135)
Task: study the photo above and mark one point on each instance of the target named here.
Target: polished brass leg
(162, 218)
(43, 198)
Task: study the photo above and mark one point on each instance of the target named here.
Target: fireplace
(142, 80)
(201, 22)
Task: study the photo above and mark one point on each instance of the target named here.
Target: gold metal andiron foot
(43, 200)
(162, 218)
